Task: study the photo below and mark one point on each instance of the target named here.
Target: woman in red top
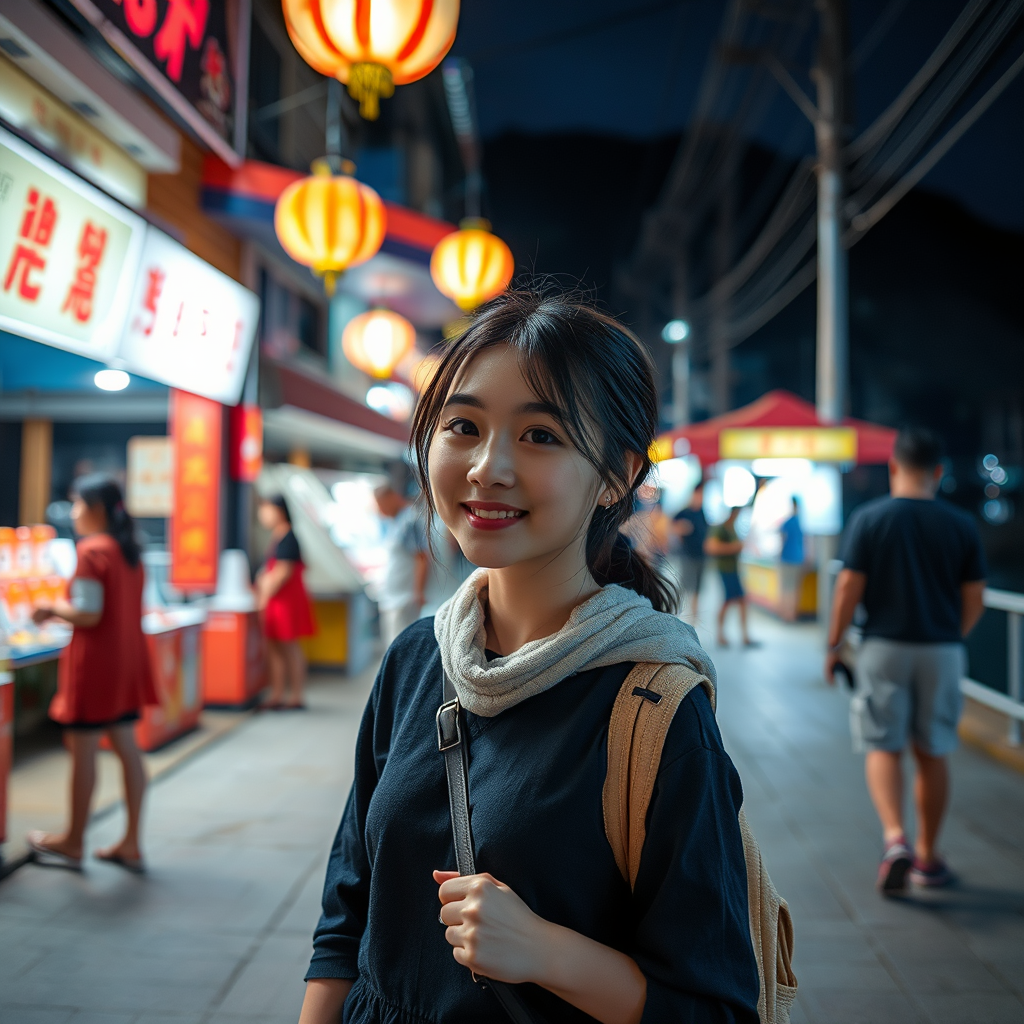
(105, 677)
(285, 606)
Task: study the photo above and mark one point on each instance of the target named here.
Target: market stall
(766, 454)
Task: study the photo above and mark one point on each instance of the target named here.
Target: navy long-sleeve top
(535, 778)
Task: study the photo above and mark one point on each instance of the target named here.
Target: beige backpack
(636, 736)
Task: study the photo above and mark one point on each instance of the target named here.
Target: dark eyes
(540, 436)
(467, 428)
(464, 427)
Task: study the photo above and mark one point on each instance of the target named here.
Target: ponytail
(100, 489)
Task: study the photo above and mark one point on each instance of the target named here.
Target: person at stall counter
(105, 677)
(791, 562)
(724, 545)
(284, 607)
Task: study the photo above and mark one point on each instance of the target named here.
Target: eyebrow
(546, 408)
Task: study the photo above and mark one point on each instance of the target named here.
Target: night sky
(633, 68)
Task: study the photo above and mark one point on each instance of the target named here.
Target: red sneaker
(896, 864)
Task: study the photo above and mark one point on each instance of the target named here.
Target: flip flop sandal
(47, 858)
(136, 865)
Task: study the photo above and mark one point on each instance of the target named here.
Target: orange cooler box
(175, 641)
(234, 659)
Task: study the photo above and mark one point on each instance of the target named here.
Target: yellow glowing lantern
(377, 341)
(329, 222)
(372, 45)
(471, 265)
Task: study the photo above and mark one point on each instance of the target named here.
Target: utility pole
(833, 278)
(833, 281)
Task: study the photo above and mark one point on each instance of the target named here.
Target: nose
(493, 463)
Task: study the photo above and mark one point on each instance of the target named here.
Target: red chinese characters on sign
(246, 442)
(184, 23)
(155, 278)
(35, 234)
(195, 541)
(90, 254)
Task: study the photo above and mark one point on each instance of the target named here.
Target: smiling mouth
(494, 517)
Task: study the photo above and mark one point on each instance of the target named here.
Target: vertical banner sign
(195, 522)
(246, 443)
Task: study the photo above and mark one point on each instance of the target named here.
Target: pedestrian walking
(403, 591)
(724, 545)
(690, 528)
(532, 438)
(916, 565)
(284, 607)
(791, 562)
(104, 677)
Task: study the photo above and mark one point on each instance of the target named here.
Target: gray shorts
(693, 570)
(907, 692)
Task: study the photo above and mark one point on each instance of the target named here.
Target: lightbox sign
(189, 51)
(80, 272)
(189, 325)
(67, 255)
(820, 444)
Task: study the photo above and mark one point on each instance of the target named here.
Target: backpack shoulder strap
(643, 711)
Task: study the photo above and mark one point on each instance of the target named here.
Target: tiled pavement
(219, 932)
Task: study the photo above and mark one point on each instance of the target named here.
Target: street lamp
(675, 331)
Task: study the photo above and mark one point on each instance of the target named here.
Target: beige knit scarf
(615, 625)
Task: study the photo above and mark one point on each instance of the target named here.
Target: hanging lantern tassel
(368, 84)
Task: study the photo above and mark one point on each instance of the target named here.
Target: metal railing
(1010, 703)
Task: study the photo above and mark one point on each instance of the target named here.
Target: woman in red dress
(105, 677)
(285, 606)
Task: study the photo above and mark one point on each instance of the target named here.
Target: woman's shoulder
(95, 552)
(693, 728)
(412, 656)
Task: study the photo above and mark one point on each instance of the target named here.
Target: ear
(633, 464)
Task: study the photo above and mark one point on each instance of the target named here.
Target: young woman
(105, 677)
(282, 598)
(531, 440)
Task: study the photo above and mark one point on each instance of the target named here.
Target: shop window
(291, 323)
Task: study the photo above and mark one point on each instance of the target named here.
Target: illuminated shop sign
(188, 325)
(187, 51)
(80, 272)
(67, 255)
(821, 444)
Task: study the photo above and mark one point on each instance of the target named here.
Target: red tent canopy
(778, 409)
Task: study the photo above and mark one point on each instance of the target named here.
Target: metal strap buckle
(449, 732)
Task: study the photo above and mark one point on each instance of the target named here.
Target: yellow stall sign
(820, 444)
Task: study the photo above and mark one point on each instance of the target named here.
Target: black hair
(600, 378)
(917, 448)
(278, 501)
(100, 489)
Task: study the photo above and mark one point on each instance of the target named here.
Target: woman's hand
(41, 614)
(495, 934)
(492, 931)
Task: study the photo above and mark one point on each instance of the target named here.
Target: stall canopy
(779, 425)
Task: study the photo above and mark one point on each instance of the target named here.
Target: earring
(607, 500)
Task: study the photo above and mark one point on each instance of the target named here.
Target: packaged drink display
(7, 538)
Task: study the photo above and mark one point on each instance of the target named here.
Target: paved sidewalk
(219, 932)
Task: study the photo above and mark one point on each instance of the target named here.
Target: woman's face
(504, 475)
(269, 515)
(87, 519)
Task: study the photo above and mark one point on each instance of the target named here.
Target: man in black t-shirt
(917, 566)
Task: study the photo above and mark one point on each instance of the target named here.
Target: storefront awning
(779, 425)
(303, 412)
